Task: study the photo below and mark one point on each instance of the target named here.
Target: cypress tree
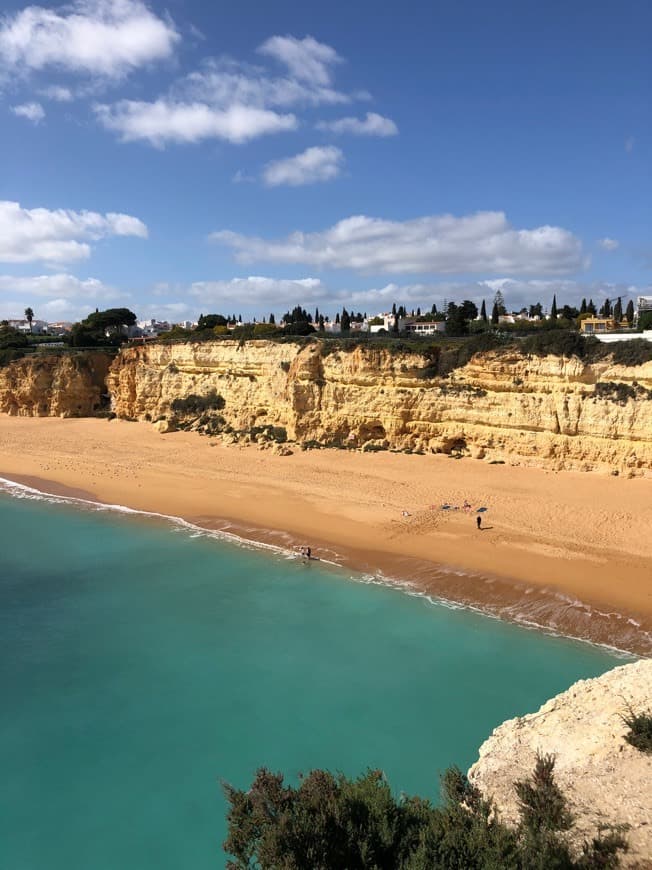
(629, 312)
(583, 307)
(483, 312)
(553, 308)
(494, 314)
(618, 310)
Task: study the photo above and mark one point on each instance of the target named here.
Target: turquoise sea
(142, 662)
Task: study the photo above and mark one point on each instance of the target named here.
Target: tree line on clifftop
(467, 328)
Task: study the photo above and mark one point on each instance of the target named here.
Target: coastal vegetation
(332, 822)
(640, 729)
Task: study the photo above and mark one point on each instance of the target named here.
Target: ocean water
(142, 663)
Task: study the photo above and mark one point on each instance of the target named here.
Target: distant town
(613, 317)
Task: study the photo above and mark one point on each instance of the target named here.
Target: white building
(38, 327)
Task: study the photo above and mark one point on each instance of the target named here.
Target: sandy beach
(568, 550)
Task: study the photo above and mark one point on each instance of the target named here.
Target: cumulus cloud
(306, 59)
(312, 165)
(608, 244)
(258, 289)
(60, 235)
(480, 242)
(107, 38)
(60, 285)
(55, 297)
(232, 100)
(518, 294)
(165, 121)
(372, 125)
(223, 81)
(32, 111)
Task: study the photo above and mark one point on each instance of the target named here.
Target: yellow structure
(593, 325)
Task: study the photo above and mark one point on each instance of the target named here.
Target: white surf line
(406, 587)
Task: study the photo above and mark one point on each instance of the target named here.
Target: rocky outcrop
(56, 385)
(605, 780)
(552, 411)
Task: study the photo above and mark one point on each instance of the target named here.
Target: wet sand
(566, 550)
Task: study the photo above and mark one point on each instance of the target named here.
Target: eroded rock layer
(57, 385)
(552, 411)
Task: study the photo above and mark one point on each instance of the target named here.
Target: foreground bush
(640, 730)
(334, 822)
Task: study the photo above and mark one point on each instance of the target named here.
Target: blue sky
(190, 157)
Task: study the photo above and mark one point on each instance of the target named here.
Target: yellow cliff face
(551, 411)
(54, 385)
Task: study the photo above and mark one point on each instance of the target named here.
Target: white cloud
(608, 244)
(32, 111)
(60, 285)
(306, 59)
(165, 121)
(107, 38)
(223, 82)
(57, 236)
(57, 93)
(312, 165)
(257, 290)
(518, 293)
(372, 125)
(232, 100)
(55, 297)
(480, 242)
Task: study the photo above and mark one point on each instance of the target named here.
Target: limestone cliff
(605, 779)
(56, 385)
(553, 411)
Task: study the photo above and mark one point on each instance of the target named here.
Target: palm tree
(29, 316)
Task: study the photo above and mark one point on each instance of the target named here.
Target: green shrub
(556, 342)
(330, 821)
(640, 729)
(631, 353)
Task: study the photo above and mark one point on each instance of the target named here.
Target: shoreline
(264, 539)
(601, 594)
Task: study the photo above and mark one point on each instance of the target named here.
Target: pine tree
(483, 312)
(553, 308)
(499, 302)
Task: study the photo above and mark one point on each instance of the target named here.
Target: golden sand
(547, 537)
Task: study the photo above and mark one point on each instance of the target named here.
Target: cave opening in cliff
(454, 447)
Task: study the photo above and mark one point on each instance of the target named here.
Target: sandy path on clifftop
(585, 535)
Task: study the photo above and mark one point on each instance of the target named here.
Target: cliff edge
(605, 779)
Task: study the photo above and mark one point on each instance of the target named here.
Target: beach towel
(482, 510)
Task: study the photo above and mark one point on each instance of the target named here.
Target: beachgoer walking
(478, 520)
(308, 552)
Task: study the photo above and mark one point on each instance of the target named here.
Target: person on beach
(307, 552)
(478, 520)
